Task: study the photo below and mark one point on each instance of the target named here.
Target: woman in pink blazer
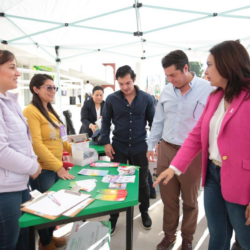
(223, 135)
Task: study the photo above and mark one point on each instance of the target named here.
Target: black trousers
(150, 183)
(141, 161)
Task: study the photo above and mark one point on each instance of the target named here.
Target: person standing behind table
(222, 134)
(92, 111)
(129, 109)
(180, 106)
(17, 158)
(48, 134)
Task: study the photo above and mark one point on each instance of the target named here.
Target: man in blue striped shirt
(180, 106)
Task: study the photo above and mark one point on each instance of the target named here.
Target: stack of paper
(126, 170)
(93, 172)
(117, 185)
(86, 185)
(105, 164)
(118, 179)
(90, 235)
(78, 138)
(112, 195)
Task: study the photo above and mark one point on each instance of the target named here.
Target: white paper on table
(81, 205)
(48, 207)
(126, 172)
(119, 178)
(35, 193)
(87, 185)
(126, 179)
(117, 185)
(90, 235)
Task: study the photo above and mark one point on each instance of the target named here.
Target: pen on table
(55, 200)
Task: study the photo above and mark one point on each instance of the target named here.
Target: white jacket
(17, 158)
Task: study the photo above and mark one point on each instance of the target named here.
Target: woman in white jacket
(17, 159)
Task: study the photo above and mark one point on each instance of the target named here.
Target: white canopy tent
(84, 31)
(103, 31)
(78, 32)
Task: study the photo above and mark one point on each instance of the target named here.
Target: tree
(197, 68)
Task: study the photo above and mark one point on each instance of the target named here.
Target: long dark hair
(233, 63)
(6, 56)
(37, 81)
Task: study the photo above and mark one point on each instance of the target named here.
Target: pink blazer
(233, 143)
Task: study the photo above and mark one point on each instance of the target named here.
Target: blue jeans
(43, 183)
(11, 236)
(222, 216)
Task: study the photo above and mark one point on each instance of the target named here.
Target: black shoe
(113, 226)
(153, 196)
(146, 221)
(236, 246)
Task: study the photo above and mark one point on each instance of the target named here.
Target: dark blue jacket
(88, 115)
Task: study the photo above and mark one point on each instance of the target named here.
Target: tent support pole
(93, 51)
(36, 33)
(233, 10)
(121, 45)
(94, 28)
(178, 47)
(177, 24)
(59, 90)
(33, 19)
(177, 10)
(34, 43)
(111, 52)
(105, 14)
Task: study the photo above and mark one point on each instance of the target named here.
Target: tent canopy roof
(104, 30)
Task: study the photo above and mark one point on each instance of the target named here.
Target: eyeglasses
(50, 88)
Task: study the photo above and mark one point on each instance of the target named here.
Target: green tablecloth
(97, 206)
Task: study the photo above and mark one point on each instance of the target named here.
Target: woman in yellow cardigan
(47, 132)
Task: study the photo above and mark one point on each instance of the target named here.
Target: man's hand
(93, 127)
(150, 156)
(167, 175)
(63, 174)
(39, 170)
(156, 150)
(109, 151)
(247, 214)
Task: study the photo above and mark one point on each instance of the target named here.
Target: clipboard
(27, 203)
(78, 208)
(46, 208)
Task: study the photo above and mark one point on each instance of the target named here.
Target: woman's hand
(39, 170)
(167, 175)
(63, 174)
(247, 214)
(93, 127)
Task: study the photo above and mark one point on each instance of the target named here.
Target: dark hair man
(129, 109)
(180, 107)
